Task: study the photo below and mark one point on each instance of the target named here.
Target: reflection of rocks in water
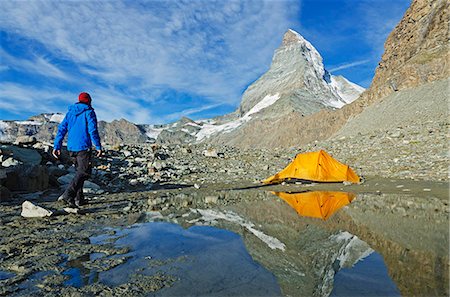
(413, 242)
(79, 274)
(206, 261)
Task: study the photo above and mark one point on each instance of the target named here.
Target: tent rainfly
(315, 166)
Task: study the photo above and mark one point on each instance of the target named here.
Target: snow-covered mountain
(296, 82)
(298, 75)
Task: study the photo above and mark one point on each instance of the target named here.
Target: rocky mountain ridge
(298, 75)
(416, 54)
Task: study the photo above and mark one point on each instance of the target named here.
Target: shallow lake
(308, 243)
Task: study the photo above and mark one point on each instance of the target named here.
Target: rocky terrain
(39, 252)
(416, 53)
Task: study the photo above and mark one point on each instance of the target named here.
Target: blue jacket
(81, 123)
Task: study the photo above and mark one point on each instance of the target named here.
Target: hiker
(80, 123)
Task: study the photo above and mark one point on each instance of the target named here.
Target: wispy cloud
(38, 64)
(349, 65)
(191, 111)
(17, 98)
(212, 49)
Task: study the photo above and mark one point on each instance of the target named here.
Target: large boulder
(28, 178)
(25, 155)
(5, 194)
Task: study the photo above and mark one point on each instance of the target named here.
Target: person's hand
(99, 153)
(56, 153)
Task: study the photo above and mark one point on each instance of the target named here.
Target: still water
(319, 243)
(206, 260)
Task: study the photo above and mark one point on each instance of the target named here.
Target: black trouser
(83, 166)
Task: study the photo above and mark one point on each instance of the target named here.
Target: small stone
(347, 183)
(133, 182)
(126, 153)
(29, 210)
(25, 139)
(427, 190)
(71, 210)
(210, 153)
(10, 162)
(211, 199)
(197, 186)
(155, 201)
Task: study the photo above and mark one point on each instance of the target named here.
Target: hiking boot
(67, 201)
(80, 202)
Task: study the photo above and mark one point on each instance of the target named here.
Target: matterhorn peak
(298, 77)
(291, 37)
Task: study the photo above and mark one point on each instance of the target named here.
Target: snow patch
(210, 129)
(3, 127)
(210, 216)
(56, 117)
(153, 132)
(266, 102)
(354, 250)
(347, 90)
(34, 123)
(193, 124)
(188, 132)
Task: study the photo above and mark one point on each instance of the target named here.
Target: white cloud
(207, 48)
(38, 64)
(348, 65)
(17, 97)
(190, 111)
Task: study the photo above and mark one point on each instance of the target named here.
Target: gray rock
(159, 165)
(210, 153)
(29, 210)
(25, 139)
(5, 194)
(66, 179)
(3, 173)
(71, 210)
(10, 162)
(27, 178)
(56, 171)
(92, 188)
(25, 155)
(211, 199)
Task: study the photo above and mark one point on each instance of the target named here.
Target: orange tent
(315, 166)
(317, 204)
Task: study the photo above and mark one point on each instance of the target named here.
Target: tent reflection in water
(315, 166)
(316, 204)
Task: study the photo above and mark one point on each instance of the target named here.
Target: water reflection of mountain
(411, 236)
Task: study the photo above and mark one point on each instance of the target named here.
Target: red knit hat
(84, 98)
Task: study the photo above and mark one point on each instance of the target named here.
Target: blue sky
(155, 61)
